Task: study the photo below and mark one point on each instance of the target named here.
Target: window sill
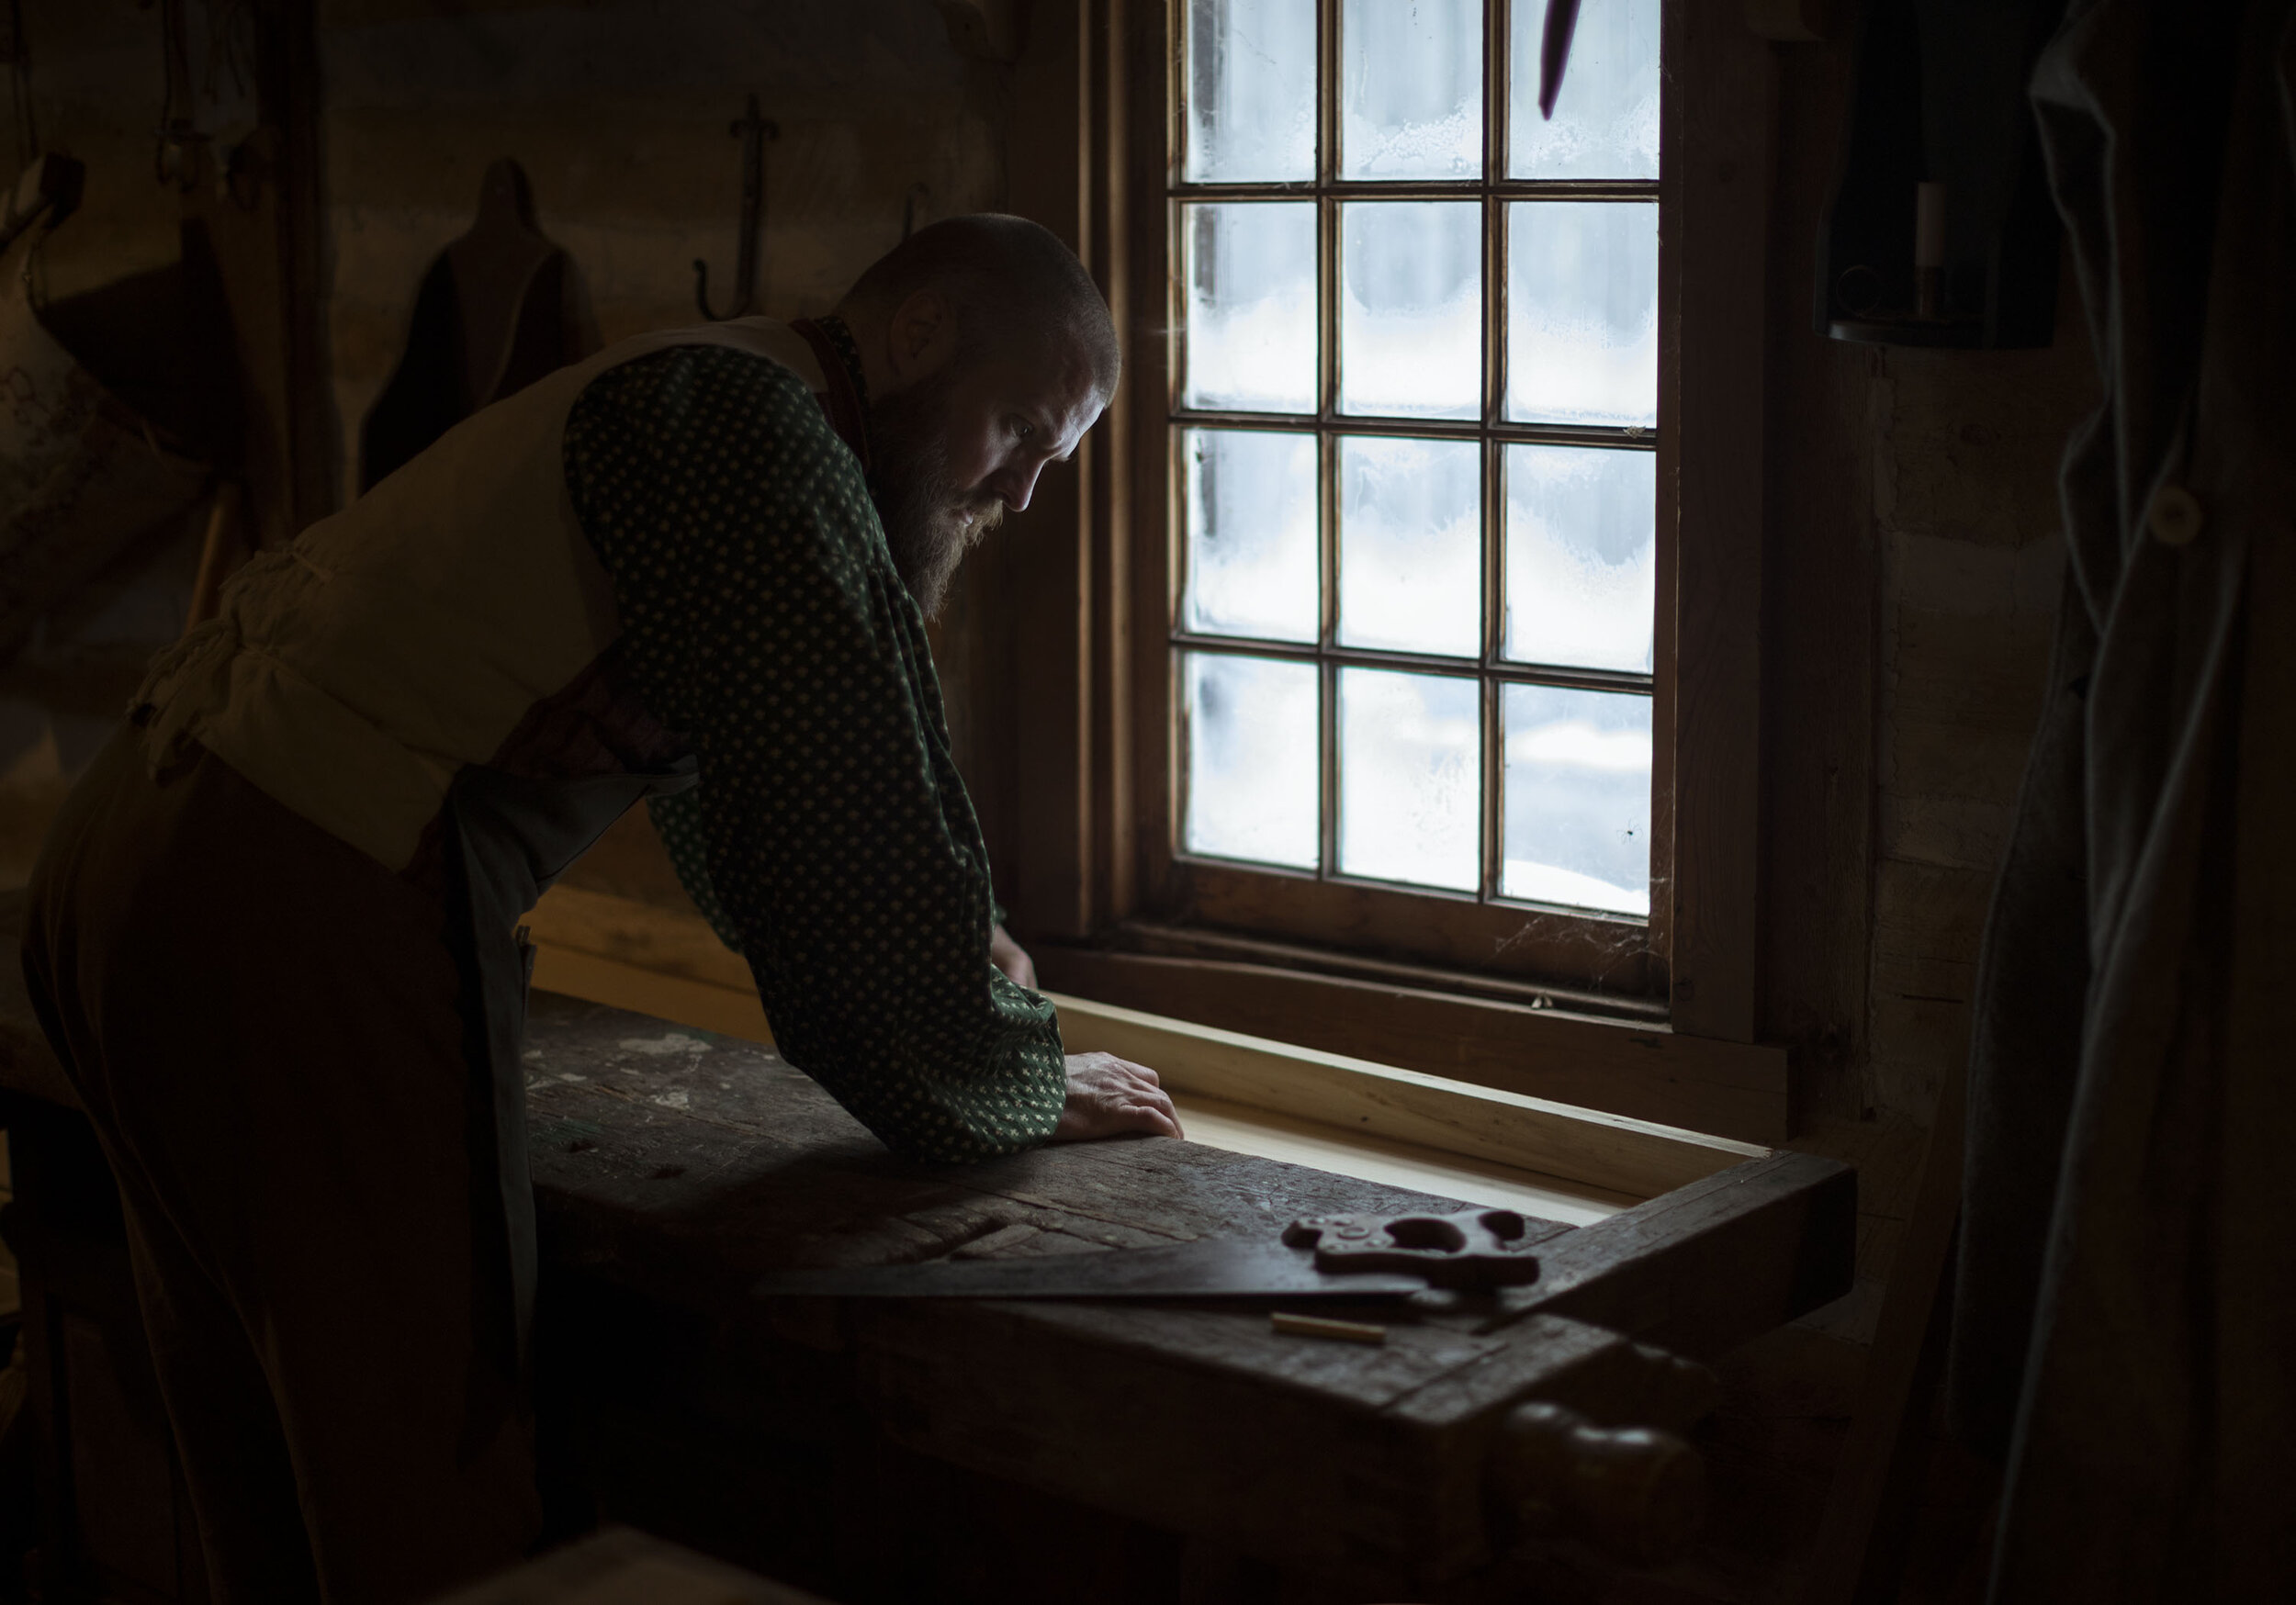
(1640, 1070)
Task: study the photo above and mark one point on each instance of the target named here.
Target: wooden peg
(1633, 1493)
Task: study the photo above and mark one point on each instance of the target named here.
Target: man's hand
(1108, 1096)
(1007, 955)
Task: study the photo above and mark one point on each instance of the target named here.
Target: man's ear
(920, 338)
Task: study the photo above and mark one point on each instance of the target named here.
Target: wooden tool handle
(222, 552)
(1633, 1493)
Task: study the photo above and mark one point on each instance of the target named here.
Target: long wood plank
(1731, 1089)
(1717, 168)
(1636, 1157)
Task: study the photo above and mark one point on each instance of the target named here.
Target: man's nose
(1017, 484)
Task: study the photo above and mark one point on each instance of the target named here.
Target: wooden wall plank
(1822, 627)
(1044, 609)
(1719, 161)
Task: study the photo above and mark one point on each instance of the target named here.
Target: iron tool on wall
(753, 131)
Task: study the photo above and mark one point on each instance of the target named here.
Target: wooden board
(1642, 1071)
(1636, 1157)
(1718, 166)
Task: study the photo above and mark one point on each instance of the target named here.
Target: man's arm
(1107, 1095)
(761, 614)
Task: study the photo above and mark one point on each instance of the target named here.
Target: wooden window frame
(1084, 835)
(1479, 931)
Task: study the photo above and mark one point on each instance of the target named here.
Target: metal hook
(752, 130)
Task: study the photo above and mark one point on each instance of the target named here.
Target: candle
(1929, 225)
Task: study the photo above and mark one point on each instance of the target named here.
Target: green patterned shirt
(830, 841)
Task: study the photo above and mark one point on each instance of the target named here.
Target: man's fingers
(1108, 1096)
(1158, 1106)
(1148, 1117)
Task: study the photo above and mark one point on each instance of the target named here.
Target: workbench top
(672, 1153)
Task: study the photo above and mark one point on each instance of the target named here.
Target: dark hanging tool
(1554, 51)
(500, 308)
(48, 192)
(753, 131)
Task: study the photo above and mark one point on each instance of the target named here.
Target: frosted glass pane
(1252, 769)
(1251, 306)
(1607, 118)
(1410, 544)
(1582, 312)
(1251, 533)
(1411, 77)
(1251, 91)
(1578, 798)
(1410, 777)
(1411, 308)
(1582, 556)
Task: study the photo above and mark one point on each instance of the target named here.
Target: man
(271, 934)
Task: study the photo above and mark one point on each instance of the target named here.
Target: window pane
(1410, 546)
(1252, 769)
(1582, 556)
(1251, 306)
(1413, 87)
(1411, 308)
(1251, 533)
(1410, 777)
(1251, 91)
(1582, 312)
(1578, 798)
(1607, 118)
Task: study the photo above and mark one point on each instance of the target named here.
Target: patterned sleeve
(761, 614)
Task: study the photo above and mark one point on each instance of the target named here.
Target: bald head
(1011, 284)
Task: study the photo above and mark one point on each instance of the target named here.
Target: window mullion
(1326, 446)
(1494, 776)
(1496, 44)
(1328, 705)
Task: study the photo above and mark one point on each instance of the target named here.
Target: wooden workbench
(672, 1167)
(1017, 1452)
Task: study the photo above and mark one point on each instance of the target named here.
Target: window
(1324, 625)
(1414, 407)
